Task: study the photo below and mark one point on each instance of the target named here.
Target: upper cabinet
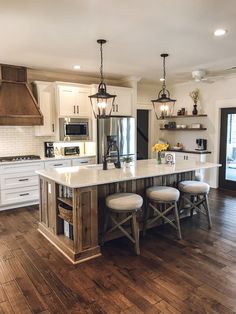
(73, 100)
(123, 103)
(45, 96)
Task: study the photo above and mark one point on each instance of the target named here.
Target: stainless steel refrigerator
(118, 129)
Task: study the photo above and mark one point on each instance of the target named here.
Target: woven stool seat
(163, 193)
(194, 187)
(124, 201)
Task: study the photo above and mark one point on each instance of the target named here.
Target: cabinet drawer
(57, 164)
(12, 180)
(22, 167)
(83, 161)
(20, 195)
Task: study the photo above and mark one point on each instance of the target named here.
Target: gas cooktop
(19, 158)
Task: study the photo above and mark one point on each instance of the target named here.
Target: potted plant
(127, 160)
(158, 148)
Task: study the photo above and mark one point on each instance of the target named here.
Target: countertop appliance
(201, 144)
(73, 150)
(19, 158)
(49, 149)
(74, 129)
(120, 130)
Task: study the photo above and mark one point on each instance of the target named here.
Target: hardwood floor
(194, 275)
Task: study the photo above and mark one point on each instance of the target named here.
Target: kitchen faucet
(112, 145)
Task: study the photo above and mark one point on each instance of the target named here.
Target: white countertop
(47, 159)
(83, 176)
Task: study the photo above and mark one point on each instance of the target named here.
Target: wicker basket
(65, 213)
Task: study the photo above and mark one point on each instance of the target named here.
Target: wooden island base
(86, 207)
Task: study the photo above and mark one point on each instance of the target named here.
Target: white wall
(20, 140)
(221, 93)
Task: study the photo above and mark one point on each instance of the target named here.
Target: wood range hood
(17, 103)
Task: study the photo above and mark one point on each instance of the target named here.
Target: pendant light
(102, 102)
(163, 105)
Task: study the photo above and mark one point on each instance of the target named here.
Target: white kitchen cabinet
(73, 101)
(19, 184)
(22, 195)
(123, 103)
(57, 164)
(83, 161)
(189, 156)
(202, 174)
(46, 102)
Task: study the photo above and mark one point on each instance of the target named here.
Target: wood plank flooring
(195, 275)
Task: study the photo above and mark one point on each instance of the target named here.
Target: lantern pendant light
(102, 102)
(163, 105)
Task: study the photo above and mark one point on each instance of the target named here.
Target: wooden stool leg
(207, 208)
(107, 216)
(192, 199)
(177, 221)
(146, 216)
(135, 231)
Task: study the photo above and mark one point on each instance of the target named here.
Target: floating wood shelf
(183, 116)
(183, 129)
(65, 200)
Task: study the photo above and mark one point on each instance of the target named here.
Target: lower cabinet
(202, 174)
(19, 184)
(57, 164)
(20, 195)
(83, 161)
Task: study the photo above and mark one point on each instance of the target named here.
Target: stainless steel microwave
(74, 129)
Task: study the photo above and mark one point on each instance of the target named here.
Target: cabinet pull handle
(116, 108)
(113, 108)
(74, 109)
(77, 109)
(24, 194)
(23, 180)
(84, 162)
(57, 165)
(53, 127)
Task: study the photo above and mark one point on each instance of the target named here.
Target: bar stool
(195, 193)
(158, 197)
(124, 203)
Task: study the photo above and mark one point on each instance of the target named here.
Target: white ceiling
(58, 34)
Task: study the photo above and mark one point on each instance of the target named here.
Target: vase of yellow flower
(158, 148)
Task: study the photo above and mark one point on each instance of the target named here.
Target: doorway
(142, 134)
(227, 177)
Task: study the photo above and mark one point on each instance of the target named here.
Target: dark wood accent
(198, 152)
(223, 182)
(183, 116)
(194, 275)
(17, 103)
(183, 129)
(13, 73)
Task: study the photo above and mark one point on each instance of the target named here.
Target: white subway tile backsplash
(20, 140)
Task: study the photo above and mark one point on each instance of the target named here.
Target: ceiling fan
(201, 76)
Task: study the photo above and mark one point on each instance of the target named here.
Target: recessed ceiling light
(162, 79)
(76, 67)
(220, 32)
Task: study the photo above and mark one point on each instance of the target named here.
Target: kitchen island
(72, 200)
